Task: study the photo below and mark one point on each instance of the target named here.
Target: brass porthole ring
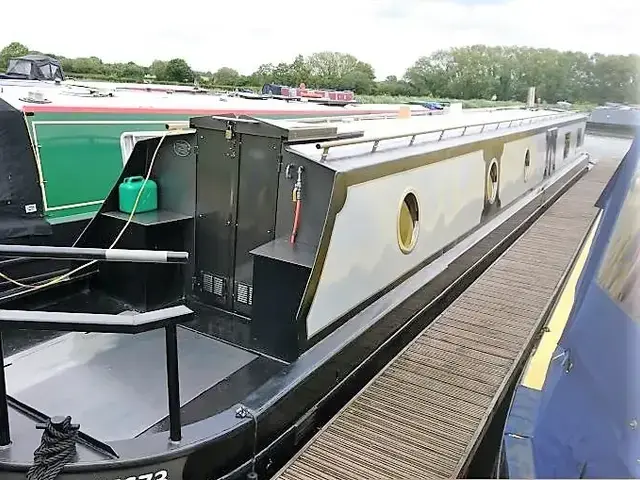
(408, 226)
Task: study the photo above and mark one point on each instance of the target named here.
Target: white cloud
(390, 34)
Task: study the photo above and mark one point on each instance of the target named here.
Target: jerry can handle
(137, 178)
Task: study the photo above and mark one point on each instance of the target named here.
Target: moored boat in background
(574, 412)
(614, 120)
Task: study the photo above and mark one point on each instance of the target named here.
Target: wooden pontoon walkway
(424, 414)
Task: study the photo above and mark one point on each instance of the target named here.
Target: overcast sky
(243, 34)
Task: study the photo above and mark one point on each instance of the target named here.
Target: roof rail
(367, 116)
(325, 146)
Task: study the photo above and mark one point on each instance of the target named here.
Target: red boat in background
(302, 92)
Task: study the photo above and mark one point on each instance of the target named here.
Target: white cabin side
(364, 255)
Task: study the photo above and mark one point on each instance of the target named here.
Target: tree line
(472, 72)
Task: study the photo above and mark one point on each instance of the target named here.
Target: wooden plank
(423, 415)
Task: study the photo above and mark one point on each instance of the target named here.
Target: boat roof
(101, 97)
(459, 128)
(616, 115)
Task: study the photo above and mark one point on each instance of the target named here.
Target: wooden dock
(425, 413)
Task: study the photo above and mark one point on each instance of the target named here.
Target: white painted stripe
(73, 205)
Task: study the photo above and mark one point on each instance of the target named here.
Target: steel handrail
(97, 254)
(167, 318)
(325, 146)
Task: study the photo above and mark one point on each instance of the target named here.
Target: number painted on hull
(159, 475)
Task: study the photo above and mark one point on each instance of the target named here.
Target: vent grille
(207, 282)
(218, 286)
(213, 284)
(244, 293)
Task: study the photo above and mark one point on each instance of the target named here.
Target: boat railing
(325, 146)
(134, 323)
(368, 116)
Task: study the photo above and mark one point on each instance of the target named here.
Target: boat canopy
(21, 201)
(35, 67)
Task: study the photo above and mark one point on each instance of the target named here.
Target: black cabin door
(237, 186)
(257, 197)
(216, 192)
(552, 142)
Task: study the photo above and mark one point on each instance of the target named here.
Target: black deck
(91, 373)
(115, 385)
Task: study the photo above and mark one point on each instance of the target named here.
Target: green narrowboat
(83, 132)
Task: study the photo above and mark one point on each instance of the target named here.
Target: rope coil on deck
(57, 448)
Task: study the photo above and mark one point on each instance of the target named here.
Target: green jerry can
(128, 192)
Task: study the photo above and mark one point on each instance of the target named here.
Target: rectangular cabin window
(579, 138)
(567, 144)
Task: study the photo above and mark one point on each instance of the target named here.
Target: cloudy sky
(245, 33)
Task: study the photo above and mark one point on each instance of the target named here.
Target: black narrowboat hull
(266, 429)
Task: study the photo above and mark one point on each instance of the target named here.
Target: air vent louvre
(244, 293)
(218, 286)
(207, 282)
(213, 284)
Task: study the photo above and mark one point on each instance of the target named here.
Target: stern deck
(115, 385)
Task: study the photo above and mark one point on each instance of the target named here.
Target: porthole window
(408, 223)
(527, 165)
(492, 181)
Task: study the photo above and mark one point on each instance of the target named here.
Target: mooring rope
(57, 448)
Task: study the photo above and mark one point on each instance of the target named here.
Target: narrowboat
(614, 119)
(575, 411)
(206, 328)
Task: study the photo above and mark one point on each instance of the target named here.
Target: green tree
(13, 50)
(226, 76)
(178, 70)
(86, 65)
(262, 75)
(475, 71)
(299, 71)
(158, 69)
(479, 71)
(394, 87)
(128, 70)
(329, 69)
